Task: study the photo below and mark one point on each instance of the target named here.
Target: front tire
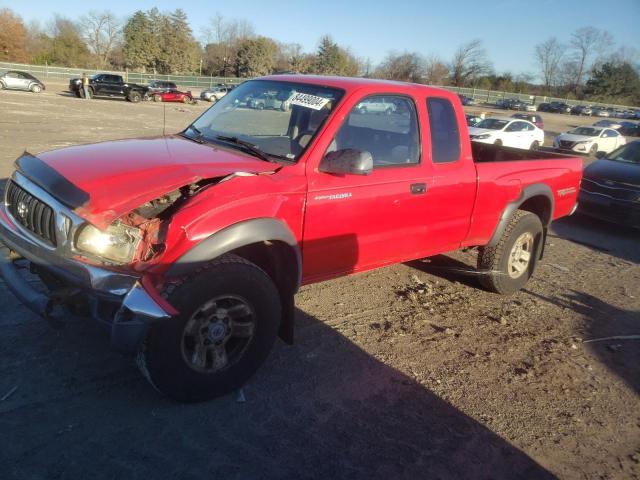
(507, 267)
(535, 145)
(157, 98)
(35, 88)
(135, 97)
(229, 318)
(498, 143)
(593, 150)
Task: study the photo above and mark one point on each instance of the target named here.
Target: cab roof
(350, 84)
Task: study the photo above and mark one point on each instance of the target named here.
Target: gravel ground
(410, 371)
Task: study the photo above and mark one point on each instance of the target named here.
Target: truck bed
(484, 153)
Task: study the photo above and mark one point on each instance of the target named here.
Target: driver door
(357, 222)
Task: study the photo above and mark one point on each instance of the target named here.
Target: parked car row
(515, 104)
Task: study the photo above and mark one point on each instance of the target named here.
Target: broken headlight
(117, 243)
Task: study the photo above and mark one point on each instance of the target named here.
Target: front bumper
(604, 207)
(117, 299)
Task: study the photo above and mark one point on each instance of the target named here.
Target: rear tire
(498, 143)
(2, 86)
(135, 97)
(507, 267)
(197, 356)
(186, 99)
(534, 146)
(157, 98)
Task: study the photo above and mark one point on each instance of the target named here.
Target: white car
(214, 94)
(510, 132)
(376, 105)
(589, 140)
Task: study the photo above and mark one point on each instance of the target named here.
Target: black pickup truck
(106, 84)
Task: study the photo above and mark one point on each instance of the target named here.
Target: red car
(172, 96)
(190, 248)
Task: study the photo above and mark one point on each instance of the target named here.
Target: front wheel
(186, 99)
(507, 266)
(498, 143)
(228, 322)
(157, 98)
(35, 88)
(135, 97)
(535, 145)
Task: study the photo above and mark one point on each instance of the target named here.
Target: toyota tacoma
(189, 248)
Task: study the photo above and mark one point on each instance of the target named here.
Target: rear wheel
(535, 145)
(228, 322)
(186, 99)
(157, 98)
(507, 267)
(2, 86)
(135, 97)
(498, 143)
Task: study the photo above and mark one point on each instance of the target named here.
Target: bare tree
(436, 71)
(469, 62)
(222, 38)
(101, 31)
(406, 67)
(549, 55)
(588, 44)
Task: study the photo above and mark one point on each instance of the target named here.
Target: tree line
(163, 42)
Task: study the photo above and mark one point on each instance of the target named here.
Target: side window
(445, 135)
(528, 127)
(386, 127)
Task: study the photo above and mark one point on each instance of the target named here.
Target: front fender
(235, 236)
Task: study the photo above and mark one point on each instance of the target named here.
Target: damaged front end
(86, 270)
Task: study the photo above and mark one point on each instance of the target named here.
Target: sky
(509, 29)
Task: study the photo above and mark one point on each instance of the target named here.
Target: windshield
(492, 124)
(277, 118)
(586, 131)
(629, 153)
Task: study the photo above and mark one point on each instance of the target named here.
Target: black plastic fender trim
(537, 189)
(233, 237)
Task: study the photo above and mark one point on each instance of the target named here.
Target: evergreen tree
(140, 42)
(256, 57)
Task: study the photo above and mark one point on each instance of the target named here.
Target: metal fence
(46, 72)
(491, 96)
(201, 82)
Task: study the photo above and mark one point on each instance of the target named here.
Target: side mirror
(601, 154)
(347, 161)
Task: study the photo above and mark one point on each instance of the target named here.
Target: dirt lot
(410, 371)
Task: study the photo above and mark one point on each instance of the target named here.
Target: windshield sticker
(309, 101)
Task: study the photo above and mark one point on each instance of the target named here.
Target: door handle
(418, 188)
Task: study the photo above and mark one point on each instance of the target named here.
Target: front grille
(566, 144)
(613, 190)
(32, 213)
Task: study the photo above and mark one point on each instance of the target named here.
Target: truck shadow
(449, 269)
(621, 356)
(323, 408)
(615, 240)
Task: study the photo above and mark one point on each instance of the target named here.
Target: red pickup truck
(189, 248)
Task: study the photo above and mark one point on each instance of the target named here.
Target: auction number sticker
(309, 101)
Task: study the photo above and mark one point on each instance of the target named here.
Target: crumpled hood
(118, 176)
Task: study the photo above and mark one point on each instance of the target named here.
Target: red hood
(119, 176)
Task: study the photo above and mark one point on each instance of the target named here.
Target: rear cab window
(445, 134)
